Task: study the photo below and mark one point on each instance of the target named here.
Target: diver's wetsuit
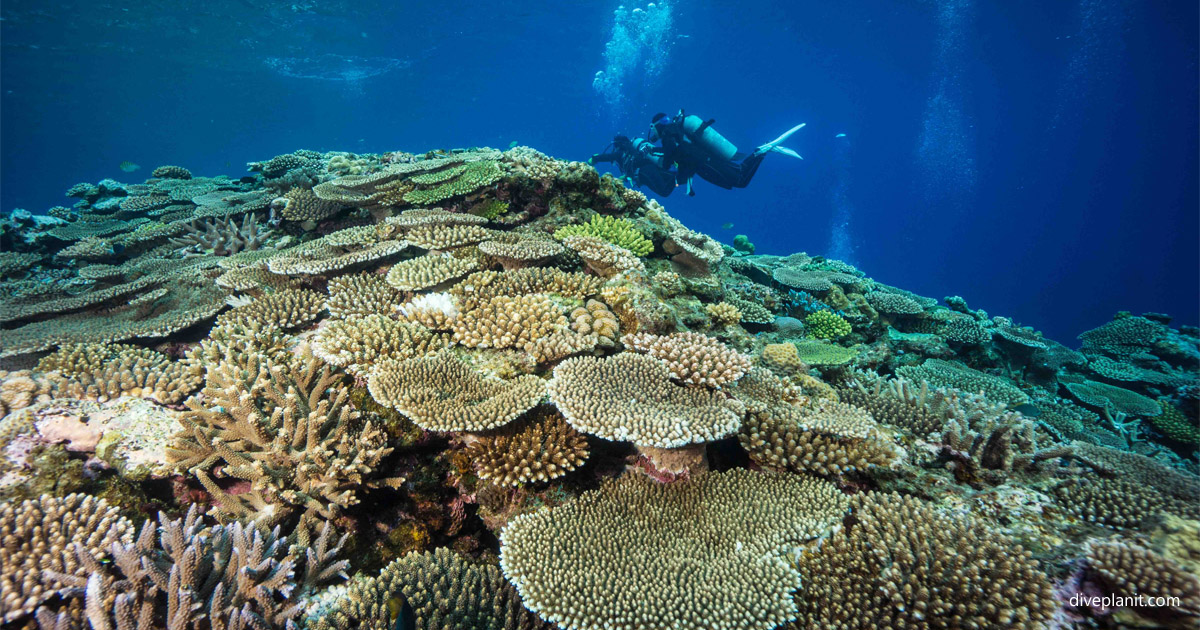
(694, 160)
(641, 162)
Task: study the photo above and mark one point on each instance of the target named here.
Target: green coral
(817, 353)
(1175, 425)
(742, 243)
(455, 181)
(618, 231)
(827, 325)
(490, 209)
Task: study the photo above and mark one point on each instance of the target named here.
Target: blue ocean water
(1039, 159)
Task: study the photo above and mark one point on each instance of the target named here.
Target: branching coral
(221, 237)
(435, 311)
(441, 393)
(602, 257)
(424, 272)
(300, 204)
(1115, 399)
(692, 358)
(901, 564)
(289, 430)
(58, 535)
(286, 309)
(359, 343)
(827, 325)
(631, 397)
(362, 294)
(824, 438)
(480, 287)
(182, 575)
(524, 252)
(942, 373)
(1132, 571)
(723, 313)
(636, 553)
(544, 449)
(616, 230)
(104, 371)
(444, 590)
(509, 322)
(340, 250)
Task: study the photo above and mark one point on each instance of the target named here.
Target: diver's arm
(604, 157)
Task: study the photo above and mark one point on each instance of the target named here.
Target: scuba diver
(689, 147)
(641, 164)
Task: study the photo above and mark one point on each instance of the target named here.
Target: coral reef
(451, 356)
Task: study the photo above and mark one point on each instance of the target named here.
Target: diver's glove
(592, 160)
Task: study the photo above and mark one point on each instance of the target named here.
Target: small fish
(129, 167)
(840, 135)
(512, 144)
(727, 226)
(398, 607)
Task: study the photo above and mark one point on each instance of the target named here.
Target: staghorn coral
(441, 393)
(1128, 570)
(358, 344)
(444, 590)
(693, 358)
(631, 397)
(242, 343)
(429, 271)
(290, 431)
(52, 534)
(616, 230)
(723, 313)
(287, 309)
(1112, 398)
(220, 237)
(911, 406)
(902, 564)
(602, 257)
(708, 549)
(182, 575)
(544, 449)
(827, 325)
(509, 322)
(362, 294)
(435, 311)
(102, 371)
(942, 373)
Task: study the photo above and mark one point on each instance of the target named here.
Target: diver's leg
(747, 169)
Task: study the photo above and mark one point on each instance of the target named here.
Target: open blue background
(1037, 158)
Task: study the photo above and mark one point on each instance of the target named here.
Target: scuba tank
(701, 133)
